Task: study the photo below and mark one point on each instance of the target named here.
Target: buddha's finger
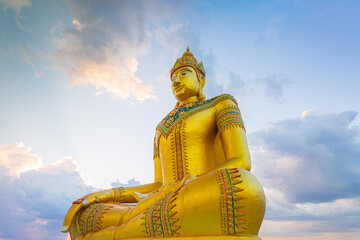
(67, 221)
(74, 209)
(68, 218)
(188, 177)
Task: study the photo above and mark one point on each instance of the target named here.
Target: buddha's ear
(202, 81)
(201, 96)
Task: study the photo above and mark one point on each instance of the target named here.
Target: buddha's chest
(188, 145)
(193, 129)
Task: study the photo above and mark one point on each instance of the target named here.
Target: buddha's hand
(172, 187)
(188, 177)
(101, 196)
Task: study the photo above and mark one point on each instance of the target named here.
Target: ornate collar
(186, 110)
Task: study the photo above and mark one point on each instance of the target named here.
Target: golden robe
(205, 139)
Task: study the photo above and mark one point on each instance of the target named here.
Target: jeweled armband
(119, 194)
(229, 117)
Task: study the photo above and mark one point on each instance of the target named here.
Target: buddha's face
(185, 83)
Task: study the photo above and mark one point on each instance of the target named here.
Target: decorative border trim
(91, 219)
(232, 221)
(160, 219)
(179, 154)
(119, 194)
(229, 117)
(156, 150)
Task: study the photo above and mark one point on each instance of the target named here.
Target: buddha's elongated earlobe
(201, 96)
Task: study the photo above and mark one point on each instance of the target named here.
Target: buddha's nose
(176, 80)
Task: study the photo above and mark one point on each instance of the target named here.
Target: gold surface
(203, 188)
(208, 238)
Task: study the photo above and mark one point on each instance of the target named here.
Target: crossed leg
(227, 202)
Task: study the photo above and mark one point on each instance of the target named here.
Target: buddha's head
(187, 77)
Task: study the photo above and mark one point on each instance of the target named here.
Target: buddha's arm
(235, 148)
(118, 195)
(129, 197)
(146, 188)
(125, 194)
(232, 134)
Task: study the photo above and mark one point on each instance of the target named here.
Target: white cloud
(301, 230)
(35, 201)
(274, 87)
(131, 182)
(305, 155)
(310, 169)
(271, 32)
(30, 55)
(235, 84)
(336, 207)
(17, 5)
(57, 27)
(177, 36)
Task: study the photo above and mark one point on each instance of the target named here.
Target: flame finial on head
(189, 60)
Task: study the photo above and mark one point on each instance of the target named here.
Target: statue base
(203, 238)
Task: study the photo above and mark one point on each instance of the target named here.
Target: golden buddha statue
(203, 188)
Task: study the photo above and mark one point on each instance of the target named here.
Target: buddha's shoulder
(223, 100)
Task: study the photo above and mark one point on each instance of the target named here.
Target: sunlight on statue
(203, 188)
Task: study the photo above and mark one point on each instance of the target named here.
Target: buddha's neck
(188, 100)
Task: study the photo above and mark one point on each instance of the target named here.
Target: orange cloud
(77, 24)
(17, 158)
(101, 49)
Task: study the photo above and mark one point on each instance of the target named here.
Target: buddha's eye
(184, 73)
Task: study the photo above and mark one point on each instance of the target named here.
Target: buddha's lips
(177, 88)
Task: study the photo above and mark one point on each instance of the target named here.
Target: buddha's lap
(222, 202)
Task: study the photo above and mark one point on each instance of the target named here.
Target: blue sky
(83, 85)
